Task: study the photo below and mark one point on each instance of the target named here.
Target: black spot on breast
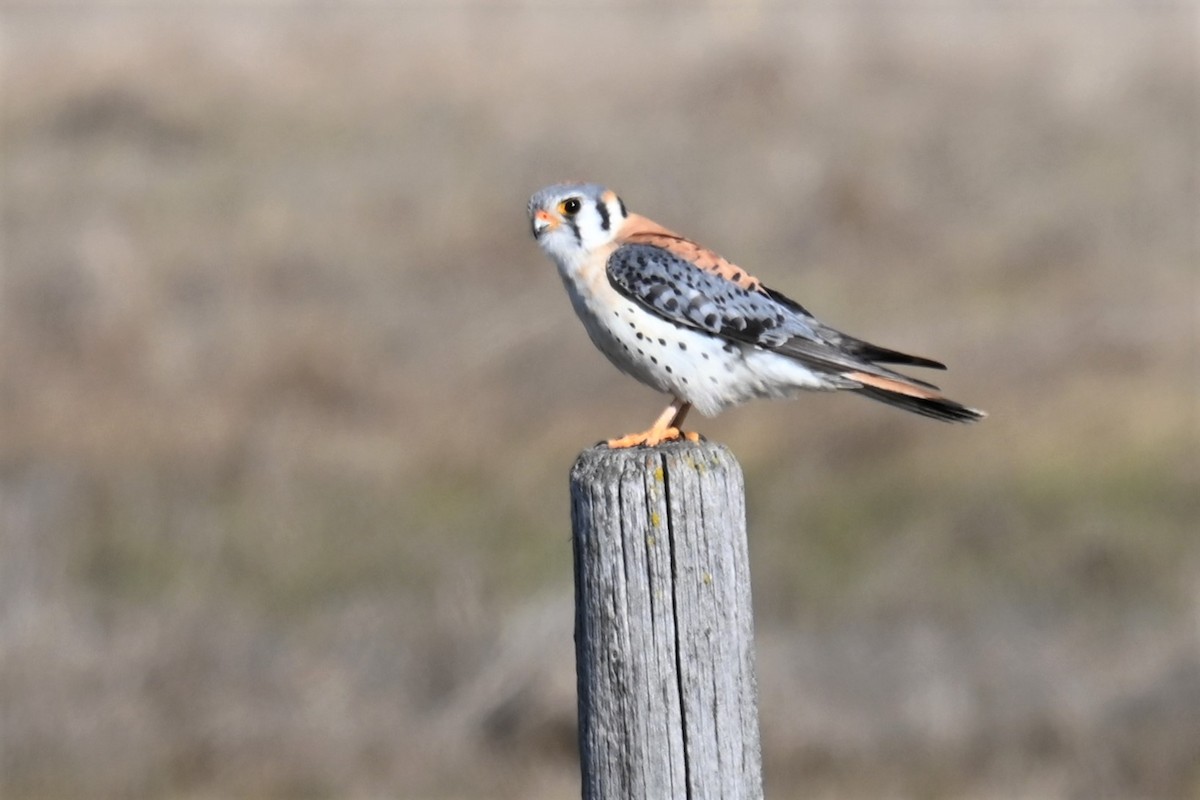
(653, 360)
(683, 345)
(662, 342)
(640, 336)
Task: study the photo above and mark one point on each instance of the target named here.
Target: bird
(687, 322)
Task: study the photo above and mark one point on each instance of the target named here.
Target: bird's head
(570, 220)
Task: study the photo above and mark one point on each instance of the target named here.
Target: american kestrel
(683, 320)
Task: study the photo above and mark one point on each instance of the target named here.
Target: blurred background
(288, 395)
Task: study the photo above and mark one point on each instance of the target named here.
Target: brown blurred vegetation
(288, 396)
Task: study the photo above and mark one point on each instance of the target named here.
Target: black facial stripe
(621, 204)
(603, 209)
(575, 229)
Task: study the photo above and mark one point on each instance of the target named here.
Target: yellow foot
(652, 438)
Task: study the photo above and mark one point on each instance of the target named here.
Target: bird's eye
(570, 207)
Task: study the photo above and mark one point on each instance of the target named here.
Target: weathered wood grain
(664, 635)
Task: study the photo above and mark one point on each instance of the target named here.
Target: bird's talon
(630, 440)
(653, 438)
(669, 435)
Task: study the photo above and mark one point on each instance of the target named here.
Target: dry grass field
(288, 395)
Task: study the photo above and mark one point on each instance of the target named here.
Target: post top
(679, 446)
(701, 455)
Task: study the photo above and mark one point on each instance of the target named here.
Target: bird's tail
(914, 398)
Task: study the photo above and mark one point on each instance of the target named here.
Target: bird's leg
(677, 420)
(664, 429)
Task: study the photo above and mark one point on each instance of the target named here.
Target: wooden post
(664, 636)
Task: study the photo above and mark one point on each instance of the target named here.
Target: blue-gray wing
(678, 291)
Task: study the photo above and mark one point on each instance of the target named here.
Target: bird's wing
(712, 295)
(640, 230)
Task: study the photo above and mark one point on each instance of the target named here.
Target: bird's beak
(543, 221)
